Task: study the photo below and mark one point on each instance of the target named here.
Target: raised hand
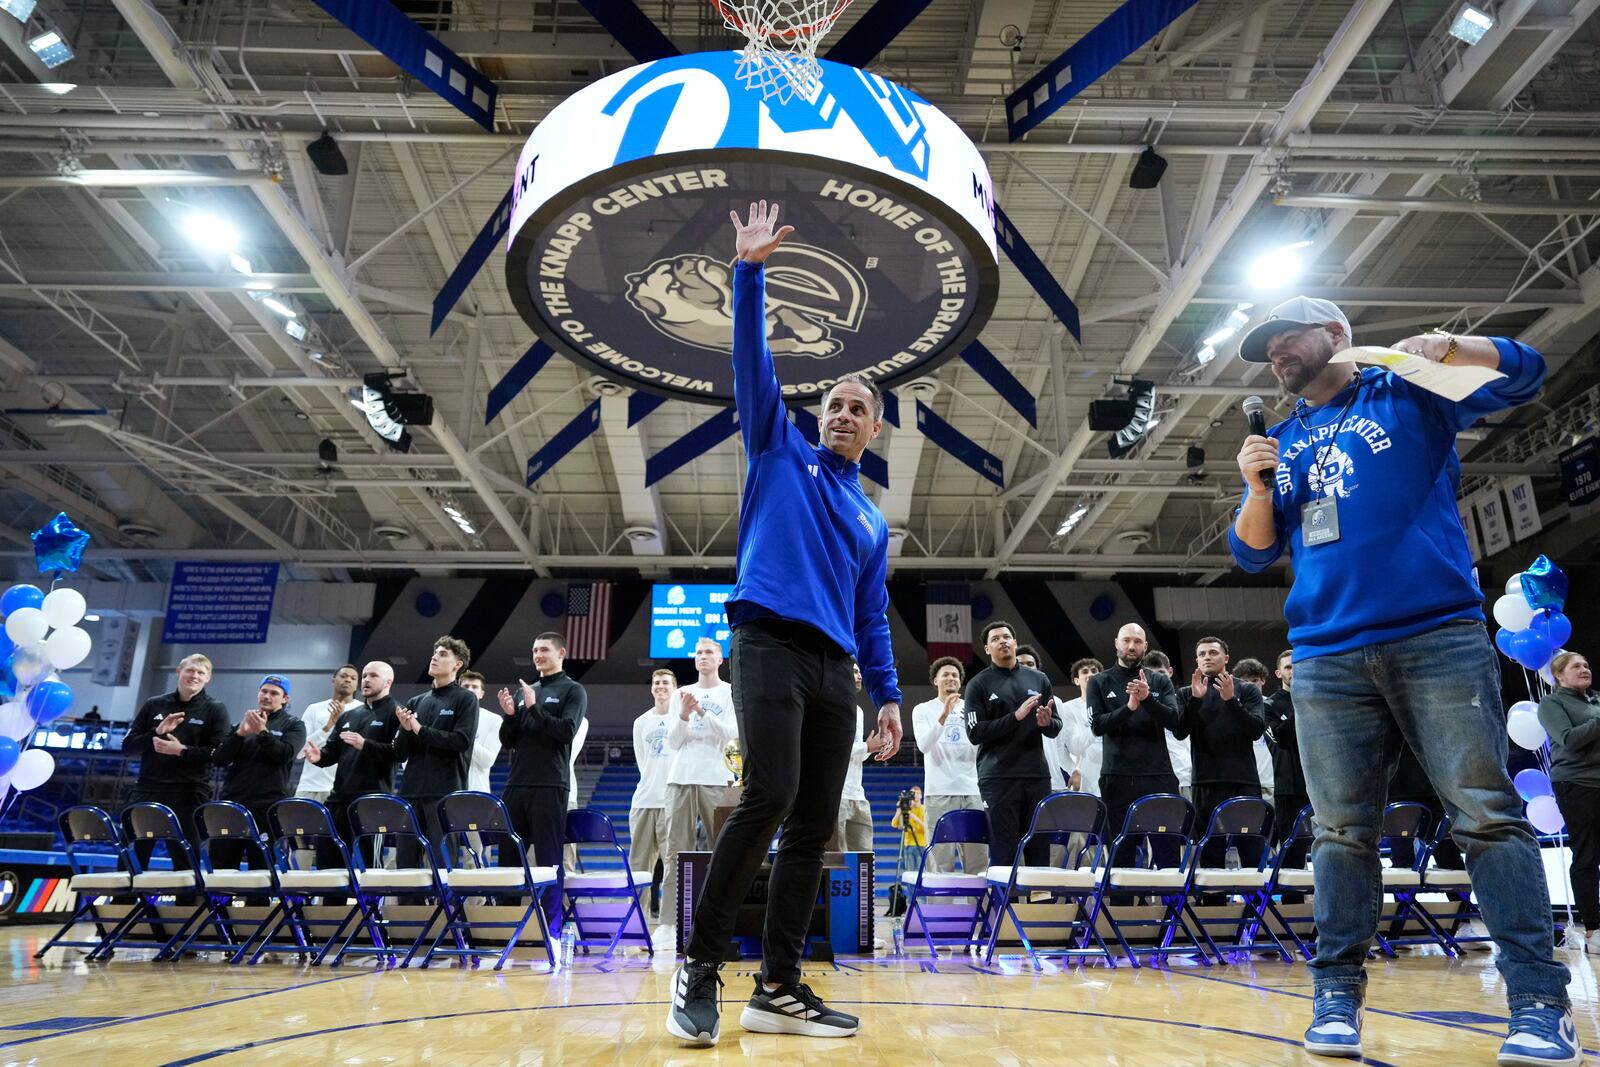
(1225, 685)
(1197, 685)
(1138, 689)
(529, 697)
(755, 239)
(170, 723)
(1027, 708)
(688, 704)
(950, 703)
(408, 720)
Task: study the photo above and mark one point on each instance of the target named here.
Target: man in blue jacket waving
(810, 595)
(1386, 620)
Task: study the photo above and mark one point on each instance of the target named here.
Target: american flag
(588, 620)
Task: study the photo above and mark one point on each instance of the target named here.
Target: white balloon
(25, 626)
(33, 769)
(29, 663)
(1514, 585)
(1546, 673)
(1524, 728)
(1513, 613)
(68, 647)
(1543, 812)
(15, 722)
(1523, 706)
(64, 607)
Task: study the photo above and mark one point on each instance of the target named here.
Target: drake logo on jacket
(1334, 475)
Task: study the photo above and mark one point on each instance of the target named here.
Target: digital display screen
(681, 614)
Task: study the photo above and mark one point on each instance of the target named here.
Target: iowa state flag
(949, 621)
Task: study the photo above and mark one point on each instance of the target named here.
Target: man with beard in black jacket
(361, 746)
(539, 727)
(259, 754)
(438, 729)
(174, 735)
(1288, 778)
(1223, 717)
(1008, 708)
(1133, 708)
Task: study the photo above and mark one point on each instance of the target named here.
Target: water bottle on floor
(569, 944)
(899, 933)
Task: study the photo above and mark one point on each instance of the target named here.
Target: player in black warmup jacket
(1133, 708)
(1008, 707)
(174, 736)
(538, 731)
(437, 731)
(259, 753)
(361, 745)
(1223, 722)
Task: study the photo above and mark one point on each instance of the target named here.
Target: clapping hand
(353, 739)
(1138, 689)
(254, 722)
(528, 697)
(408, 720)
(1225, 685)
(508, 707)
(1043, 712)
(170, 723)
(1027, 708)
(1197, 685)
(167, 746)
(689, 704)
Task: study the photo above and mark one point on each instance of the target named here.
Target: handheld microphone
(1253, 408)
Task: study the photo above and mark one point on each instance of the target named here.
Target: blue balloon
(1554, 625)
(1544, 585)
(49, 700)
(10, 752)
(20, 596)
(1532, 782)
(58, 545)
(1502, 641)
(1531, 649)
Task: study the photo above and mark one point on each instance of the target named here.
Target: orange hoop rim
(809, 29)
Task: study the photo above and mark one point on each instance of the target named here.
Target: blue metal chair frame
(91, 831)
(1238, 819)
(1154, 817)
(961, 826)
(298, 822)
(591, 828)
(1300, 837)
(157, 823)
(377, 816)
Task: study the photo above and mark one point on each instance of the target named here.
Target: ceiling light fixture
(1072, 519)
(19, 9)
(210, 232)
(1279, 268)
(58, 88)
(278, 307)
(51, 48)
(1471, 24)
(1220, 336)
(1205, 355)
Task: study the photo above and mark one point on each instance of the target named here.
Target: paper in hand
(1450, 382)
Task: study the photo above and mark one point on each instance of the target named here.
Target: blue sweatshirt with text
(813, 548)
(1401, 565)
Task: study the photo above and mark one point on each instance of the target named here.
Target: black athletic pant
(182, 805)
(1010, 803)
(1286, 808)
(794, 694)
(1119, 791)
(538, 816)
(1208, 797)
(1580, 806)
(408, 852)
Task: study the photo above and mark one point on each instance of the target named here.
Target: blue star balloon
(1544, 585)
(58, 545)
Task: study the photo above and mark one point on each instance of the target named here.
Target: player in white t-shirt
(486, 745)
(1083, 748)
(853, 832)
(699, 726)
(1028, 656)
(950, 762)
(316, 783)
(647, 815)
(1177, 751)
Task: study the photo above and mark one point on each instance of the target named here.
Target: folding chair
(1154, 819)
(90, 833)
(583, 891)
(1290, 874)
(158, 824)
(1405, 822)
(378, 816)
(962, 826)
(1057, 818)
(225, 823)
(1457, 889)
(1239, 820)
(299, 827)
(475, 822)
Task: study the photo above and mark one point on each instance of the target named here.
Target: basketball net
(781, 37)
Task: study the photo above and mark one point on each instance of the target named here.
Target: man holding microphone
(1386, 620)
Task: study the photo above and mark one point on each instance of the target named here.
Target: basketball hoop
(781, 37)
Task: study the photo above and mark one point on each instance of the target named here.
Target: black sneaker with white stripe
(795, 1009)
(695, 1013)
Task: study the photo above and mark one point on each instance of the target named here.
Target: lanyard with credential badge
(1319, 518)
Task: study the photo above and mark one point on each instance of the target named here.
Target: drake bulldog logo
(811, 292)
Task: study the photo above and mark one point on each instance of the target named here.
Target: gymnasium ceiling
(1436, 184)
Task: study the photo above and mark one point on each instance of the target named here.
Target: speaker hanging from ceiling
(1142, 399)
(1147, 171)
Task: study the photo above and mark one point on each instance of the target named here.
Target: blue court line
(1415, 1017)
(179, 1011)
(247, 1046)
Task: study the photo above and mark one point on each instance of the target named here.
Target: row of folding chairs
(1164, 899)
(310, 893)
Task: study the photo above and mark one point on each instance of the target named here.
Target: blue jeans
(1439, 690)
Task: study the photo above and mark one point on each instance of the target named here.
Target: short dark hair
(554, 638)
(998, 624)
(946, 661)
(347, 667)
(1219, 642)
(1155, 660)
(1285, 652)
(1251, 670)
(865, 383)
(471, 676)
(1028, 650)
(456, 647)
(1082, 663)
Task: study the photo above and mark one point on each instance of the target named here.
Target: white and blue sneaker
(1541, 1034)
(1335, 1028)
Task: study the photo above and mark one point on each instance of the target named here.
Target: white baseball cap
(1293, 314)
